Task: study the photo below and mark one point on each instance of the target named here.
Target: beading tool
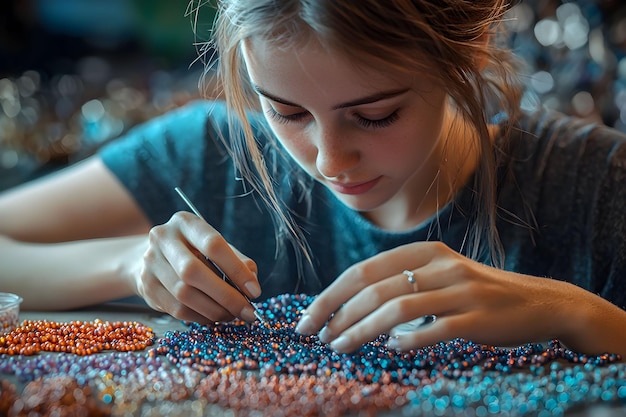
(217, 269)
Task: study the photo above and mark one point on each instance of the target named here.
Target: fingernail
(340, 344)
(305, 325)
(247, 313)
(253, 288)
(325, 335)
(393, 343)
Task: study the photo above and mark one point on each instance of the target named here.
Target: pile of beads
(247, 370)
(240, 345)
(82, 368)
(147, 385)
(288, 362)
(128, 383)
(8, 396)
(78, 337)
(551, 391)
(115, 382)
(302, 396)
(121, 383)
(57, 396)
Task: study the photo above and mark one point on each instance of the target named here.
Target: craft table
(169, 391)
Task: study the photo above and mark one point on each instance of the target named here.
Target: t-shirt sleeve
(179, 149)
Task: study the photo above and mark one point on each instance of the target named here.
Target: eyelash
(365, 123)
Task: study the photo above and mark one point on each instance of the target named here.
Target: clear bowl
(9, 311)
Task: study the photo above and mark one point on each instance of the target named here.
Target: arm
(77, 238)
(84, 201)
(67, 241)
(70, 274)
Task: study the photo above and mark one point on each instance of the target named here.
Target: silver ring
(410, 277)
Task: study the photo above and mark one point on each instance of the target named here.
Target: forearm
(73, 274)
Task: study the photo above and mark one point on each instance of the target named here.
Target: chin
(360, 203)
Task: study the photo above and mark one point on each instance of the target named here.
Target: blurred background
(75, 74)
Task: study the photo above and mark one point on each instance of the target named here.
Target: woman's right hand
(176, 277)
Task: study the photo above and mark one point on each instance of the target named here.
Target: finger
(192, 273)
(346, 286)
(192, 307)
(412, 325)
(160, 299)
(471, 325)
(370, 327)
(375, 295)
(253, 288)
(399, 310)
(175, 308)
(364, 275)
(191, 282)
(443, 329)
(239, 268)
(365, 302)
(426, 336)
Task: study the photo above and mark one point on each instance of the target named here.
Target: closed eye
(377, 123)
(364, 122)
(285, 118)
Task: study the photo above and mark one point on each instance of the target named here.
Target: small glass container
(9, 311)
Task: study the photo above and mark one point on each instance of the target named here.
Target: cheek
(408, 146)
(425, 129)
(294, 142)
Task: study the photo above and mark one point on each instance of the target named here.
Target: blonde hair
(458, 37)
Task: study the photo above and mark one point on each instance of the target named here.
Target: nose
(336, 153)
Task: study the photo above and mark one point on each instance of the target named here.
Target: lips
(353, 188)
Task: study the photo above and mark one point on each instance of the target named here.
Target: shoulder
(550, 130)
(184, 147)
(196, 125)
(560, 167)
(547, 143)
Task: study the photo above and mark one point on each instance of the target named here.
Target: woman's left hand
(470, 300)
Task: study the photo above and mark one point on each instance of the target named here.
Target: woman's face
(372, 138)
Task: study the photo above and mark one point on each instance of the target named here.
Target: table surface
(161, 324)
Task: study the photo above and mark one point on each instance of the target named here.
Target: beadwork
(248, 370)
(241, 345)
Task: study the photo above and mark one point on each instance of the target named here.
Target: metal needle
(217, 269)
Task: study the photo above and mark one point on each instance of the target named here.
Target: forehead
(309, 63)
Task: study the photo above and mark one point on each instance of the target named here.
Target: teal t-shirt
(561, 201)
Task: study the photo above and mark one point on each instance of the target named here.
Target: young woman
(371, 152)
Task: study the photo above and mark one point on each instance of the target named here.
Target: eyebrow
(372, 98)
